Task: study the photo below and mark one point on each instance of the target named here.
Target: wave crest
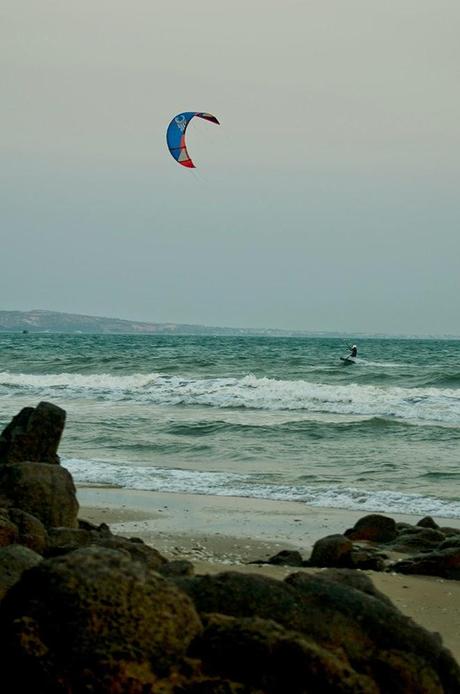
(428, 404)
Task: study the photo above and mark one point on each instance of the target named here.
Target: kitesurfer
(353, 352)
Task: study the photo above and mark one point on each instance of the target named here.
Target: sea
(260, 417)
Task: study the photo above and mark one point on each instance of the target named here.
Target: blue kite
(175, 135)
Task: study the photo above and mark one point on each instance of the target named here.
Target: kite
(175, 135)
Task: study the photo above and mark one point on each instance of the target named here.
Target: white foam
(150, 478)
(413, 404)
(75, 384)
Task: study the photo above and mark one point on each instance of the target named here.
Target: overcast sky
(327, 199)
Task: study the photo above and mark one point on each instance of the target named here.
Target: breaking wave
(426, 404)
(159, 479)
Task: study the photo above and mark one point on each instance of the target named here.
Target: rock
(264, 656)
(33, 435)
(423, 540)
(355, 579)
(406, 527)
(366, 559)
(210, 685)
(428, 522)
(86, 525)
(377, 639)
(332, 550)
(286, 557)
(71, 622)
(9, 531)
(373, 528)
(452, 541)
(41, 489)
(15, 559)
(64, 540)
(442, 562)
(177, 567)
(31, 531)
(450, 531)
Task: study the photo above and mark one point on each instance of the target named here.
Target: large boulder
(15, 559)
(441, 562)
(355, 579)
(31, 531)
(424, 539)
(44, 490)
(427, 522)
(287, 557)
(64, 540)
(376, 638)
(8, 529)
(33, 435)
(373, 528)
(332, 550)
(93, 620)
(268, 658)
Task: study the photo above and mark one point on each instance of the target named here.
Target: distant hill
(54, 322)
(38, 321)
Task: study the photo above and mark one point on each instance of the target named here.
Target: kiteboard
(347, 360)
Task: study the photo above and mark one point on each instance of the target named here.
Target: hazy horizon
(327, 199)
(257, 328)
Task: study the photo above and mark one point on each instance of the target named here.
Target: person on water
(354, 352)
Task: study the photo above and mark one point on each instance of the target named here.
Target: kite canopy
(175, 135)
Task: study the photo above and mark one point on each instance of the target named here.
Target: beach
(225, 451)
(218, 533)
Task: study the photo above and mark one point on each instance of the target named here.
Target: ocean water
(274, 418)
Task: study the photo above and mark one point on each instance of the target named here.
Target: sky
(327, 198)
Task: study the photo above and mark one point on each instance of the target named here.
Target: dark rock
(86, 525)
(148, 556)
(9, 531)
(407, 529)
(33, 435)
(244, 595)
(332, 550)
(444, 563)
(31, 531)
(355, 579)
(211, 685)
(376, 638)
(73, 620)
(366, 559)
(286, 557)
(373, 528)
(268, 658)
(403, 527)
(452, 541)
(43, 490)
(15, 559)
(101, 528)
(177, 567)
(428, 522)
(423, 540)
(450, 531)
(64, 540)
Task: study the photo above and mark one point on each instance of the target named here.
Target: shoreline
(225, 533)
(265, 523)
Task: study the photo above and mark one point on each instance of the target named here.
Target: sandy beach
(218, 533)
